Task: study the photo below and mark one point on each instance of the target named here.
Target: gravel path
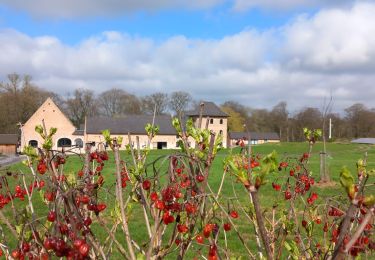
(8, 160)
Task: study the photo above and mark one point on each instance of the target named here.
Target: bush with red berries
(184, 217)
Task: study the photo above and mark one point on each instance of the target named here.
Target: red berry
(276, 187)
(288, 195)
(182, 228)
(190, 208)
(42, 167)
(227, 226)
(84, 249)
(199, 239)
(101, 206)
(87, 222)
(77, 243)
(18, 189)
(234, 214)
(207, 230)
(154, 196)
(48, 243)
(51, 216)
(16, 253)
(159, 204)
(146, 184)
(199, 178)
(25, 247)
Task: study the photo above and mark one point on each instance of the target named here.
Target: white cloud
(301, 62)
(332, 40)
(243, 5)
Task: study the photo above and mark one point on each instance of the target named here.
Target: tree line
(20, 98)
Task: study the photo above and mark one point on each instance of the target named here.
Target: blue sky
(207, 23)
(256, 52)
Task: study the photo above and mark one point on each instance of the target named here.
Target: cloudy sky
(256, 52)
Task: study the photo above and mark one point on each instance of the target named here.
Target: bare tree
(80, 105)
(179, 101)
(158, 101)
(19, 99)
(280, 115)
(307, 117)
(116, 102)
(360, 121)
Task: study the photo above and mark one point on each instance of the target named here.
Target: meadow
(233, 193)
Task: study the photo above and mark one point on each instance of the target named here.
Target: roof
(364, 141)
(8, 139)
(79, 132)
(209, 109)
(254, 135)
(134, 124)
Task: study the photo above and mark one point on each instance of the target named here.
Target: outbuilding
(235, 138)
(8, 144)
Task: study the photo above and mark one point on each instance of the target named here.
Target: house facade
(67, 136)
(50, 115)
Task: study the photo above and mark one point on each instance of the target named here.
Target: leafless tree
(279, 116)
(158, 101)
(179, 101)
(19, 99)
(117, 102)
(80, 105)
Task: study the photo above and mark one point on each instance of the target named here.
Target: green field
(338, 156)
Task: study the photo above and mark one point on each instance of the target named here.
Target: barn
(8, 144)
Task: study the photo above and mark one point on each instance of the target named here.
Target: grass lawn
(338, 156)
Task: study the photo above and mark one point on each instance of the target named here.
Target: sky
(255, 52)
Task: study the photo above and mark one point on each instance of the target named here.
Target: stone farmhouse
(68, 136)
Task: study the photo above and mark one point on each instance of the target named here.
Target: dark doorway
(162, 145)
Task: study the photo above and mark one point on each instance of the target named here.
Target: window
(64, 142)
(211, 121)
(221, 132)
(78, 142)
(221, 121)
(33, 143)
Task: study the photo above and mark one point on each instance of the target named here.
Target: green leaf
(119, 140)
(309, 228)
(317, 133)
(52, 131)
(292, 247)
(39, 130)
(107, 136)
(30, 151)
(369, 201)
(346, 178)
(19, 228)
(347, 181)
(47, 143)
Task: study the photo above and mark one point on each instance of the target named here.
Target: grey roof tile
(134, 124)
(8, 138)
(210, 109)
